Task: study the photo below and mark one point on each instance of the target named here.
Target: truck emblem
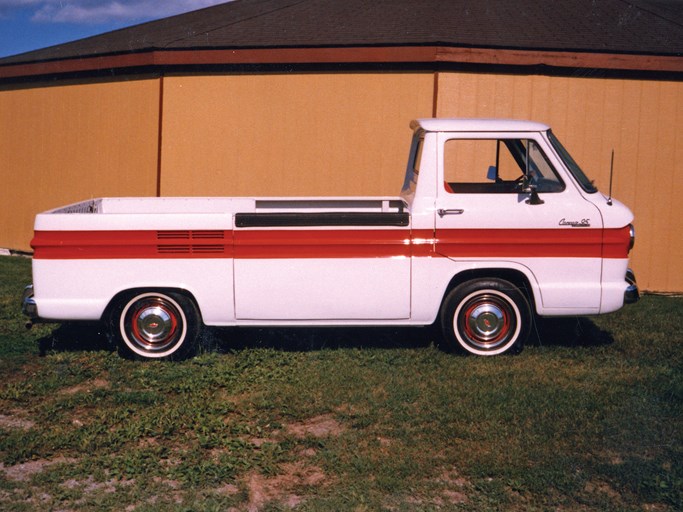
(583, 223)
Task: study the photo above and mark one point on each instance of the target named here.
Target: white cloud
(102, 11)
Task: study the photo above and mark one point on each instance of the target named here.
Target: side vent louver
(174, 249)
(180, 242)
(206, 235)
(173, 235)
(208, 249)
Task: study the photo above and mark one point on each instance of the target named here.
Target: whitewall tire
(486, 317)
(156, 325)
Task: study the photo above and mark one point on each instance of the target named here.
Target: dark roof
(615, 27)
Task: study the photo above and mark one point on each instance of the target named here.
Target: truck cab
(507, 202)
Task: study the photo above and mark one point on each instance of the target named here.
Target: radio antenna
(611, 173)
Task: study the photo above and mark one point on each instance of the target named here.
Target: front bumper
(631, 295)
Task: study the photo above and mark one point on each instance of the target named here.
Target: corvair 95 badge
(583, 223)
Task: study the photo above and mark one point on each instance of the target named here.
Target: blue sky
(27, 25)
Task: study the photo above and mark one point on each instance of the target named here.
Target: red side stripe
(356, 243)
(131, 244)
(616, 243)
(322, 244)
(506, 243)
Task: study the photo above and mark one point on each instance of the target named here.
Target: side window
(490, 166)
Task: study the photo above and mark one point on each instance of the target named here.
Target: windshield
(573, 167)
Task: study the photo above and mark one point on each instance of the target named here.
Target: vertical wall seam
(435, 95)
(160, 131)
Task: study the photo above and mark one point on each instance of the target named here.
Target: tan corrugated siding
(68, 143)
(290, 134)
(642, 120)
(327, 134)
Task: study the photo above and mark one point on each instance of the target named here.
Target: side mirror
(533, 198)
(526, 187)
(492, 173)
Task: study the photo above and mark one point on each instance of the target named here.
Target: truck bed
(223, 213)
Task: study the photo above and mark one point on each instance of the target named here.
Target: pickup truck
(495, 224)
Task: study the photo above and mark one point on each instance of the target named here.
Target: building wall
(326, 134)
(641, 120)
(293, 134)
(63, 144)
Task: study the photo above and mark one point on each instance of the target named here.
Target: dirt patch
(598, 487)
(613, 458)
(23, 472)
(282, 489)
(455, 487)
(227, 490)
(86, 387)
(452, 479)
(148, 442)
(454, 497)
(28, 372)
(90, 485)
(307, 452)
(16, 422)
(319, 426)
(655, 507)
(258, 442)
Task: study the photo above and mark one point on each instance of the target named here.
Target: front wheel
(154, 325)
(486, 317)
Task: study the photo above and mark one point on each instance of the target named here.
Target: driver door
(488, 212)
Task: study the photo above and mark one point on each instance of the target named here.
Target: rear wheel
(155, 325)
(486, 317)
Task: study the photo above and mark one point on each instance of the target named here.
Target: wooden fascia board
(77, 65)
(351, 55)
(612, 61)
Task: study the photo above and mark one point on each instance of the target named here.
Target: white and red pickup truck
(495, 223)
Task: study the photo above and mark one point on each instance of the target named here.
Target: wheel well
(120, 296)
(513, 276)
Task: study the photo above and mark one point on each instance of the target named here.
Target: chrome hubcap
(486, 321)
(154, 324)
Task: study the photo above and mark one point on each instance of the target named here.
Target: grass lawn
(588, 417)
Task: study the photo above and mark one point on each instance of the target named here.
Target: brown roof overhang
(428, 55)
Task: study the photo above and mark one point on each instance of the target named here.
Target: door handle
(443, 212)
